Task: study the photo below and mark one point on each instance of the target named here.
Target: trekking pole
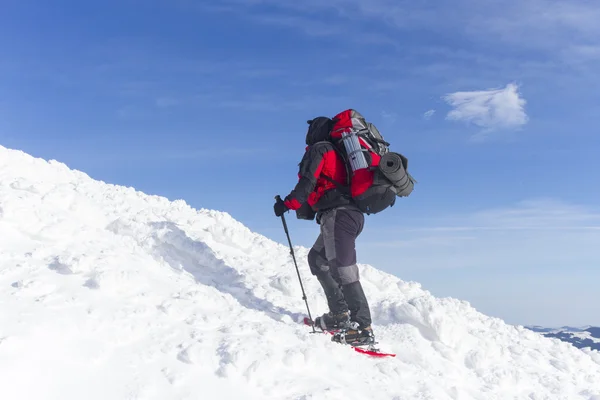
(287, 233)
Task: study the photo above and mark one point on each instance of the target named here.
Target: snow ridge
(109, 293)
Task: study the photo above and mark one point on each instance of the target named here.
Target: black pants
(332, 260)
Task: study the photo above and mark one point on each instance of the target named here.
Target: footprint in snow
(24, 185)
(184, 355)
(170, 376)
(20, 284)
(59, 267)
(91, 283)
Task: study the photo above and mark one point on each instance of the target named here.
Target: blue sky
(496, 105)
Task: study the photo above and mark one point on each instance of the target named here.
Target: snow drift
(108, 293)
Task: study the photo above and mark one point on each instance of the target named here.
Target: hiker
(321, 194)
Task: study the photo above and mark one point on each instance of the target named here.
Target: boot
(330, 321)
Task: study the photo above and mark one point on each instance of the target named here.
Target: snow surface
(108, 293)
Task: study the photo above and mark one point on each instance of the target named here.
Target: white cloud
(428, 114)
(489, 109)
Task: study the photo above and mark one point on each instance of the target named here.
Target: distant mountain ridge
(580, 337)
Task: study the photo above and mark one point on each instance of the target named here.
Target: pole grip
(285, 228)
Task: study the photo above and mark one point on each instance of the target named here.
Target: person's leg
(320, 268)
(357, 304)
(340, 228)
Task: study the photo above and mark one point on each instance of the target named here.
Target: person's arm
(310, 169)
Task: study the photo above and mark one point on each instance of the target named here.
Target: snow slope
(108, 293)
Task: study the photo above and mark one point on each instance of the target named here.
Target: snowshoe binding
(356, 336)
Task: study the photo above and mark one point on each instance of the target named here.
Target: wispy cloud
(213, 154)
(549, 25)
(336, 80)
(489, 109)
(166, 102)
(428, 114)
(310, 27)
(390, 117)
(519, 262)
(169, 155)
(269, 102)
(311, 17)
(581, 53)
(543, 24)
(540, 214)
(535, 233)
(533, 214)
(130, 111)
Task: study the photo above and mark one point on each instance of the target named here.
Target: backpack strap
(344, 189)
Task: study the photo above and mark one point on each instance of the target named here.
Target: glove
(279, 207)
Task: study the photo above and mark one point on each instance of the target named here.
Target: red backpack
(376, 176)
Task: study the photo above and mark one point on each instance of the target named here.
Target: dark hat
(318, 130)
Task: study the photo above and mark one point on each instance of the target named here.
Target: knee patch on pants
(346, 275)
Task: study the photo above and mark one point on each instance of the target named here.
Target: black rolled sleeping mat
(392, 166)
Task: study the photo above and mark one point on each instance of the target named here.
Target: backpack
(376, 176)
